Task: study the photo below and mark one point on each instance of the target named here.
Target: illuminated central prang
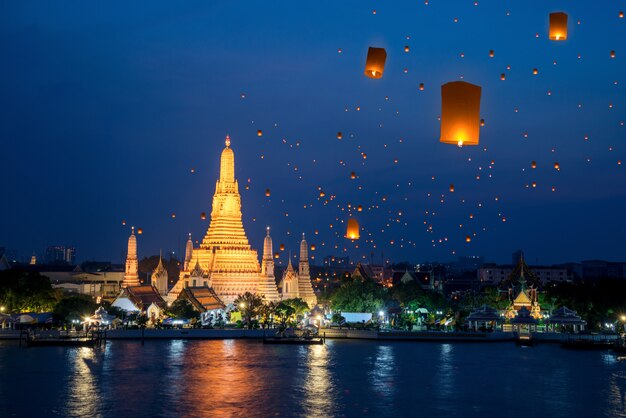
(224, 260)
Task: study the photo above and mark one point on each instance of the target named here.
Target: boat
(294, 340)
(61, 342)
(59, 339)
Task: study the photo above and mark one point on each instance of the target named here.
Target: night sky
(107, 107)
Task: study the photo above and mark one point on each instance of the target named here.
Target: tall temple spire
(227, 166)
(305, 288)
(188, 253)
(225, 259)
(267, 263)
(303, 268)
(131, 275)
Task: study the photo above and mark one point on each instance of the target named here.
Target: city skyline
(108, 126)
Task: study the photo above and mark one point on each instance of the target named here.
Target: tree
(283, 312)
(182, 309)
(249, 304)
(356, 295)
(22, 291)
(299, 306)
(74, 307)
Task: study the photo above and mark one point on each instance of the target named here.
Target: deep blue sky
(106, 108)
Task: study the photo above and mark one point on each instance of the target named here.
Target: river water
(215, 378)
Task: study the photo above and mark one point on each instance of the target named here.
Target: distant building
(493, 275)
(598, 269)
(468, 263)
(59, 254)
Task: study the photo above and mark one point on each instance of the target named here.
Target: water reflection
(383, 373)
(616, 405)
(84, 396)
(318, 399)
(445, 371)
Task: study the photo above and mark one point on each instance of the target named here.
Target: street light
(242, 305)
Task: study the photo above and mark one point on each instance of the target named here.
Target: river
(244, 378)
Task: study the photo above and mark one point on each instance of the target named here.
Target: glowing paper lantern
(139, 231)
(375, 63)
(359, 208)
(259, 133)
(535, 71)
(267, 192)
(558, 26)
(533, 164)
(422, 86)
(339, 135)
(468, 239)
(312, 247)
(557, 166)
(203, 216)
(276, 255)
(491, 53)
(460, 113)
(352, 231)
(282, 247)
(612, 54)
(452, 188)
(406, 48)
(173, 215)
(353, 175)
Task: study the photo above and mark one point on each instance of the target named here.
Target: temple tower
(290, 282)
(305, 288)
(188, 253)
(225, 261)
(159, 278)
(131, 275)
(267, 263)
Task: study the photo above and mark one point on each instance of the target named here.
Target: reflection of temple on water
(318, 399)
(220, 379)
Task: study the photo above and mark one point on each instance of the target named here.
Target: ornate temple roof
(202, 298)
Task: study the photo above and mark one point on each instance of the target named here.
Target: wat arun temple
(225, 262)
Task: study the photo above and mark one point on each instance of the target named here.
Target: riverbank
(330, 333)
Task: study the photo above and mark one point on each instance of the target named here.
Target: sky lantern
(557, 166)
(123, 222)
(259, 133)
(451, 188)
(375, 63)
(267, 192)
(460, 113)
(359, 208)
(203, 216)
(612, 54)
(502, 76)
(282, 247)
(406, 48)
(558, 26)
(468, 239)
(276, 255)
(422, 86)
(312, 247)
(339, 135)
(491, 53)
(535, 71)
(621, 15)
(139, 231)
(482, 122)
(352, 231)
(353, 175)
(533, 164)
